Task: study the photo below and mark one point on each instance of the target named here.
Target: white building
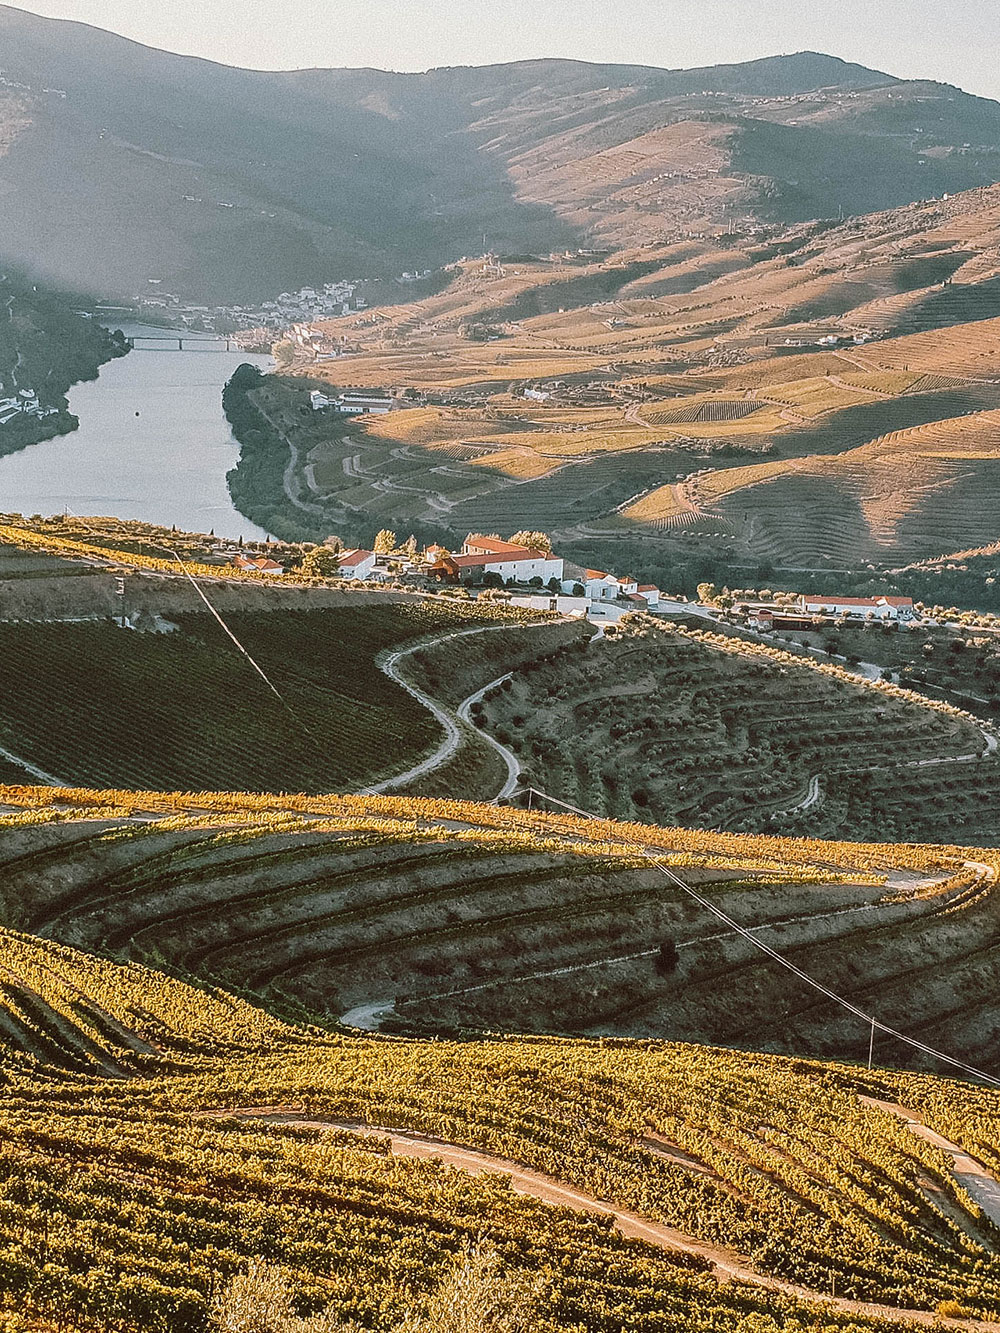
(602, 587)
(357, 566)
(489, 555)
(368, 404)
(879, 608)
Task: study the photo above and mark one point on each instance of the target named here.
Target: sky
(954, 41)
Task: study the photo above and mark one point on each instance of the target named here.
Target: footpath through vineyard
(455, 723)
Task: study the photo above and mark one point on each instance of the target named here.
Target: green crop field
(101, 706)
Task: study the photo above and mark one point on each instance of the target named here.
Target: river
(153, 444)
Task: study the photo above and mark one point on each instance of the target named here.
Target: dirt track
(727, 1265)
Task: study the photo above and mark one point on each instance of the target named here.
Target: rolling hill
(129, 164)
(158, 1133)
(646, 397)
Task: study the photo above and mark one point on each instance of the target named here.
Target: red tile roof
(262, 563)
(354, 558)
(496, 546)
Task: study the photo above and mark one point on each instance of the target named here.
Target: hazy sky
(952, 40)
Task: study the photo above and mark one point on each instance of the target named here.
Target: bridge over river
(153, 442)
(182, 342)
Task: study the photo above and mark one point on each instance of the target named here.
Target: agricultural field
(185, 709)
(903, 497)
(959, 663)
(457, 916)
(656, 1184)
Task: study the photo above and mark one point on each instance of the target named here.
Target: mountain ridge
(121, 164)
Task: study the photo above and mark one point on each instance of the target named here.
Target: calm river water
(165, 465)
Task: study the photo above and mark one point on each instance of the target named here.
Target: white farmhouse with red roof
(489, 555)
(357, 566)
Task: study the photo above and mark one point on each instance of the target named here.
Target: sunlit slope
(239, 184)
(247, 1136)
(651, 364)
(717, 1164)
(909, 495)
(460, 914)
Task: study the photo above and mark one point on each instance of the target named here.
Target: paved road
(452, 723)
(812, 797)
(508, 756)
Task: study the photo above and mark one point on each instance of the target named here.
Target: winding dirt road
(455, 724)
(727, 1265)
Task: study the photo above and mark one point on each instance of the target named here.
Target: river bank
(152, 444)
(46, 348)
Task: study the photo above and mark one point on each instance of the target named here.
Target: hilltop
(225, 185)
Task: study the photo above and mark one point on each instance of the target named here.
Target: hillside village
(536, 577)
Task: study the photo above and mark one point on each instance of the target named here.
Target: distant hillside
(130, 164)
(45, 348)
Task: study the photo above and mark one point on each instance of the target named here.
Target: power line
(715, 910)
(158, 546)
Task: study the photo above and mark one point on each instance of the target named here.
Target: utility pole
(871, 1044)
(120, 593)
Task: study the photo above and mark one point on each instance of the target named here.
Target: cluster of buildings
(504, 561)
(354, 402)
(293, 310)
(538, 578)
(807, 610)
(24, 403)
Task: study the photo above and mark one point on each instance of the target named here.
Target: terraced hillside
(699, 729)
(377, 170)
(453, 914)
(645, 371)
(906, 496)
(673, 1169)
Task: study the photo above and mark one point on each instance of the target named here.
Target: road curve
(726, 1264)
(452, 723)
(508, 756)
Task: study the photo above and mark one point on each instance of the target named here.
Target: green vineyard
(697, 729)
(158, 1131)
(96, 705)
